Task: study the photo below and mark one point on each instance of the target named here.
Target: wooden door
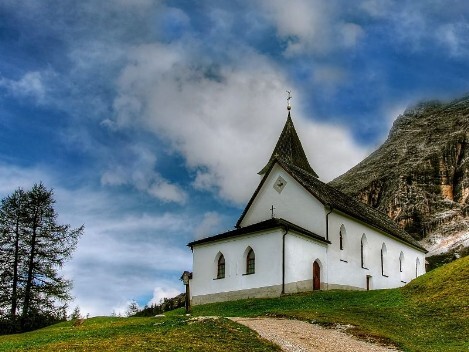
(316, 276)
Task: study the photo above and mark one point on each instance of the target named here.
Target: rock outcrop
(420, 176)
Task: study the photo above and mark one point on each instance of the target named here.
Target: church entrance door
(316, 276)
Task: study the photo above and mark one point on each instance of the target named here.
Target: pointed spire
(289, 149)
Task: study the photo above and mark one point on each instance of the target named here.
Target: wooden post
(186, 276)
(188, 299)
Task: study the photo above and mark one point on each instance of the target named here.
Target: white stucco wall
(267, 247)
(344, 266)
(294, 204)
(300, 254)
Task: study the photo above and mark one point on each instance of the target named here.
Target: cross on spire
(288, 100)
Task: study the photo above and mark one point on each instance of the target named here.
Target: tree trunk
(29, 281)
(14, 295)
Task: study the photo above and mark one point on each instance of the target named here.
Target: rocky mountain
(420, 176)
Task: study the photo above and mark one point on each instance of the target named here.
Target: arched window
(342, 235)
(363, 251)
(417, 267)
(383, 260)
(341, 240)
(221, 267)
(401, 267)
(250, 262)
(343, 243)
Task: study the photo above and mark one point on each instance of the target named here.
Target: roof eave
(260, 227)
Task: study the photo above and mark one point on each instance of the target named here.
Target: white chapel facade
(299, 234)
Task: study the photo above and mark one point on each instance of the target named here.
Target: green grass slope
(448, 286)
(139, 334)
(429, 314)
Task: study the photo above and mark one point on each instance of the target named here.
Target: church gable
(281, 196)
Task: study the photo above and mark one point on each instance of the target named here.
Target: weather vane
(288, 100)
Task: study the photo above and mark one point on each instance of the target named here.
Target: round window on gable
(280, 184)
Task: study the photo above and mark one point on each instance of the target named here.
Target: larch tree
(33, 249)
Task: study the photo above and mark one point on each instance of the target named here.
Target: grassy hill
(139, 334)
(429, 314)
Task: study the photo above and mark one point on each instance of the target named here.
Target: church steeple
(289, 149)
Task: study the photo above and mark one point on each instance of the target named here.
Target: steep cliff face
(420, 176)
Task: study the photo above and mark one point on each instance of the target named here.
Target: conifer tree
(33, 247)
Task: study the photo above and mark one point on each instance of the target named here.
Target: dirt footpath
(299, 336)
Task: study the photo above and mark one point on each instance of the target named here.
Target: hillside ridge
(419, 176)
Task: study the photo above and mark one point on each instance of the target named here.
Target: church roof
(289, 154)
(260, 226)
(329, 196)
(289, 150)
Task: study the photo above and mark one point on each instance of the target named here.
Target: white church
(299, 234)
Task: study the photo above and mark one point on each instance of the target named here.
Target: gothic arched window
(363, 251)
(417, 267)
(401, 267)
(383, 260)
(221, 267)
(250, 262)
(342, 235)
(343, 248)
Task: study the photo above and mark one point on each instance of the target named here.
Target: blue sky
(150, 119)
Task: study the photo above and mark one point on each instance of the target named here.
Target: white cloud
(423, 26)
(168, 192)
(12, 177)
(223, 120)
(351, 33)
(331, 150)
(376, 8)
(311, 27)
(137, 168)
(210, 223)
(204, 181)
(30, 85)
(454, 36)
(329, 76)
(159, 293)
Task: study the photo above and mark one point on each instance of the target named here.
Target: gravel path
(300, 336)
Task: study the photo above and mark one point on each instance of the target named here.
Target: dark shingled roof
(261, 226)
(334, 198)
(289, 150)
